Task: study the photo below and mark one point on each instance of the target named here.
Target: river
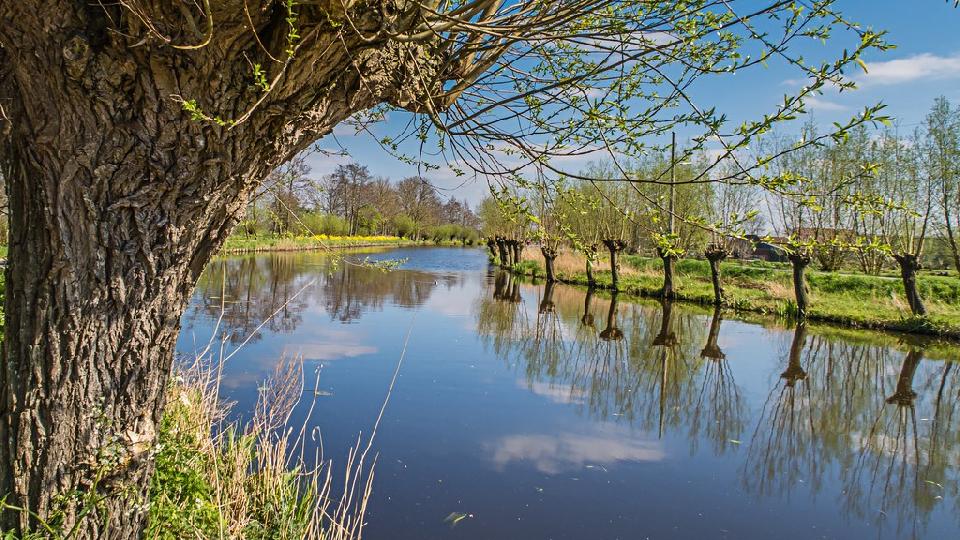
(547, 413)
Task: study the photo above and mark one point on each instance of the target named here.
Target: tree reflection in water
(837, 410)
(243, 292)
(783, 451)
(906, 460)
(718, 413)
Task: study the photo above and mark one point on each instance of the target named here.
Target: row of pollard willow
(508, 251)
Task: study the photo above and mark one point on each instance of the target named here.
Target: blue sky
(925, 64)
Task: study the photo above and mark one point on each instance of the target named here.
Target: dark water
(542, 420)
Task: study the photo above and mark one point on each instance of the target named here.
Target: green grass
(237, 243)
(855, 300)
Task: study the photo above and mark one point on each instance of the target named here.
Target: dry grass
(257, 480)
(571, 262)
(779, 290)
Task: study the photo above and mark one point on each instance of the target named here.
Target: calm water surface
(549, 413)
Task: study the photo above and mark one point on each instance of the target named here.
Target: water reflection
(874, 419)
(569, 452)
(638, 415)
(718, 413)
(243, 292)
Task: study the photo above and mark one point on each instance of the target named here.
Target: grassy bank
(216, 480)
(861, 301)
(240, 243)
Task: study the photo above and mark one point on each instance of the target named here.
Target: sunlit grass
(241, 242)
(847, 298)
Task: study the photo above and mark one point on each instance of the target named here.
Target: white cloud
(819, 104)
(553, 454)
(917, 68)
(555, 393)
(330, 344)
(920, 67)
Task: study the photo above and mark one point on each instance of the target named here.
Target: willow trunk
(909, 264)
(799, 263)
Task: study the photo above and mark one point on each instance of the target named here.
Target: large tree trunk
(715, 255)
(799, 260)
(667, 291)
(549, 255)
(909, 264)
(614, 247)
(103, 258)
(518, 246)
(502, 249)
(118, 199)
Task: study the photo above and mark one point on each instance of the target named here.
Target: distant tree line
(870, 199)
(351, 201)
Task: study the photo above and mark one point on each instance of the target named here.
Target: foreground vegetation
(253, 480)
(216, 480)
(851, 299)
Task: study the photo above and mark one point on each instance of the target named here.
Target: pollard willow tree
(133, 134)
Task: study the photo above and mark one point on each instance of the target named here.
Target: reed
(256, 479)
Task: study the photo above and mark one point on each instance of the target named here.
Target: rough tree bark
(119, 198)
(715, 254)
(502, 249)
(549, 255)
(667, 292)
(909, 264)
(800, 260)
(614, 247)
(517, 246)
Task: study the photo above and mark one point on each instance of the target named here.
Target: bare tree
(941, 161)
(912, 214)
(735, 213)
(790, 209)
(419, 200)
